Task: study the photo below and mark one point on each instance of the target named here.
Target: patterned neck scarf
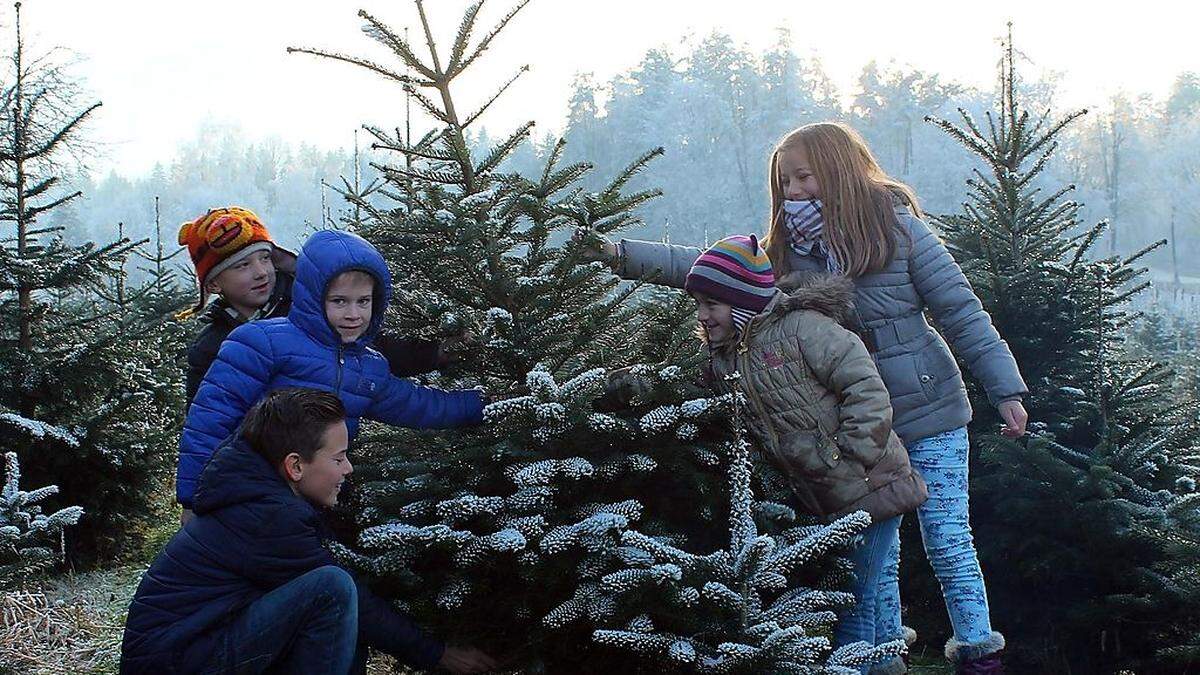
(805, 225)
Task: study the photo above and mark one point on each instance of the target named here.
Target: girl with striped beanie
(816, 407)
(732, 281)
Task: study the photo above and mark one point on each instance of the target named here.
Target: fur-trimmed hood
(828, 294)
(825, 293)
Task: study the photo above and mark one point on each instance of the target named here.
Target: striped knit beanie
(737, 272)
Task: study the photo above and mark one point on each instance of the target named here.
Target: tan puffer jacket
(817, 405)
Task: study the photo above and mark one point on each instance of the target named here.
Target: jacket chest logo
(772, 359)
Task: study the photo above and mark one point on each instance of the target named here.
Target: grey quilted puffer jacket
(922, 377)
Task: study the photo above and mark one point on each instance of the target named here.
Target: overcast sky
(163, 68)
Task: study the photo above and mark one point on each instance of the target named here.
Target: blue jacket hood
(325, 255)
(235, 475)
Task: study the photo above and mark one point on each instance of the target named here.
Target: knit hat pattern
(735, 271)
(219, 239)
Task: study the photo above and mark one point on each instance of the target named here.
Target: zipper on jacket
(341, 361)
(743, 368)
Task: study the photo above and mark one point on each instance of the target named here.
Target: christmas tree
(583, 529)
(79, 399)
(1089, 529)
(30, 541)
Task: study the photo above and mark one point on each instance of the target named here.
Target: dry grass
(73, 624)
(66, 624)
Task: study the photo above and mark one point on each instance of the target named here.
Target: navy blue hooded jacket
(251, 535)
(304, 350)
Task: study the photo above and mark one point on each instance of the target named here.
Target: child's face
(320, 480)
(715, 317)
(248, 284)
(796, 177)
(348, 304)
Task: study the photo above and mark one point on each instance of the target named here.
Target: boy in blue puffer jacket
(341, 292)
(248, 585)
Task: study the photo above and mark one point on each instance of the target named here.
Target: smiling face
(246, 285)
(348, 304)
(319, 480)
(796, 178)
(715, 318)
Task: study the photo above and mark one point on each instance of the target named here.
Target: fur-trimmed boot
(979, 658)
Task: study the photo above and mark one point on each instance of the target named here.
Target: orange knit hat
(219, 239)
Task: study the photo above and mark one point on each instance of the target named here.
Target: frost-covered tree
(1090, 528)
(76, 397)
(576, 508)
(739, 609)
(30, 541)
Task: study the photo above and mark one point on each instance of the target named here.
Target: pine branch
(442, 177)
(465, 28)
(504, 149)
(474, 116)
(364, 63)
(380, 32)
(61, 135)
(487, 40)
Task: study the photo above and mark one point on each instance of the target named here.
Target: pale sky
(162, 68)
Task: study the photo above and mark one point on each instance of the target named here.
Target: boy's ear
(212, 287)
(293, 466)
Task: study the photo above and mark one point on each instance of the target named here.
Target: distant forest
(717, 110)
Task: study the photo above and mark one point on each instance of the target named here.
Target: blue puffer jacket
(304, 350)
(251, 535)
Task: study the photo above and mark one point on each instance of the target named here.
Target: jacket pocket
(809, 453)
(935, 365)
(901, 374)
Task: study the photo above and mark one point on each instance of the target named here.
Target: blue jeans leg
(858, 623)
(946, 532)
(308, 625)
(888, 624)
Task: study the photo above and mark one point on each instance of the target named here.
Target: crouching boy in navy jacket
(247, 586)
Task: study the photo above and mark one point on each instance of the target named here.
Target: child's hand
(453, 350)
(1015, 417)
(594, 246)
(466, 660)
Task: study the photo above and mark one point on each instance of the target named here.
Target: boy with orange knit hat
(237, 261)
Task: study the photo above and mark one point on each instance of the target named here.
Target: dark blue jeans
(869, 558)
(308, 625)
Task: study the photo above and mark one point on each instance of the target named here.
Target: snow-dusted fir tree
(77, 399)
(579, 505)
(30, 541)
(739, 609)
(1090, 528)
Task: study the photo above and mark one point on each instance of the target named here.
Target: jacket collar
(830, 295)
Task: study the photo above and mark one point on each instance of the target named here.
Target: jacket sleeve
(960, 315)
(197, 366)
(671, 261)
(199, 358)
(407, 357)
(288, 546)
(404, 404)
(235, 381)
(841, 363)
(382, 626)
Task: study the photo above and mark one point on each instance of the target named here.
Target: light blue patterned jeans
(942, 462)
